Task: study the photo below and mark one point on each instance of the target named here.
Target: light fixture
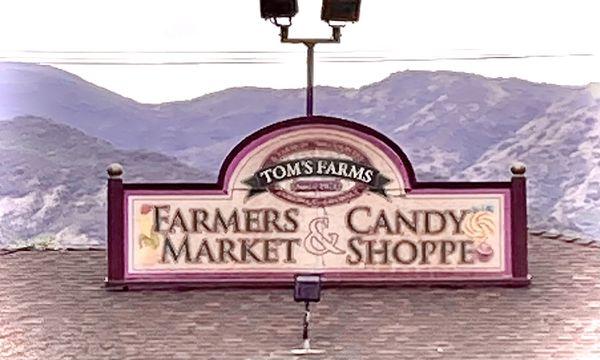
(307, 289)
(340, 10)
(278, 11)
(273, 9)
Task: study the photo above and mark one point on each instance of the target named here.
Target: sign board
(320, 196)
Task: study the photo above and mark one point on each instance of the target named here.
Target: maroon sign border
(517, 207)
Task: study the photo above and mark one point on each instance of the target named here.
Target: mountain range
(53, 187)
(453, 126)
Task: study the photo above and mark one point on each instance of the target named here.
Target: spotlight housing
(340, 10)
(307, 288)
(272, 9)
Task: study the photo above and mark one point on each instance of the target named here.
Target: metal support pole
(310, 66)
(305, 340)
(306, 349)
(310, 58)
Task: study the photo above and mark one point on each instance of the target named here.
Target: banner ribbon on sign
(317, 167)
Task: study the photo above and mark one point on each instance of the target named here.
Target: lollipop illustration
(480, 227)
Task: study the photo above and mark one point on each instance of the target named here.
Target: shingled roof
(54, 306)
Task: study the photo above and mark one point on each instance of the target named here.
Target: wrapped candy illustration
(480, 227)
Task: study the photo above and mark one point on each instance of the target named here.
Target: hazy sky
(207, 46)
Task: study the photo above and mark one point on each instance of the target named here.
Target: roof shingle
(54, 306)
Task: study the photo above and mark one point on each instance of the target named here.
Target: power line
(253, 60)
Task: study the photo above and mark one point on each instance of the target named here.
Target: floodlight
(307, 288)
(281, 12)
(272, 9)
(340, 10)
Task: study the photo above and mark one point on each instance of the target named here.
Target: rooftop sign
(320, 196)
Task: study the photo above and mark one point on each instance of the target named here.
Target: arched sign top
(317, 195)
(317, 161)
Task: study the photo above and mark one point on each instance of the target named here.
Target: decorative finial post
(115, 171)
(518, 196)
(518, 169)
(115, 223)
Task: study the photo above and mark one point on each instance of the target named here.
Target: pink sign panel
(317, 195)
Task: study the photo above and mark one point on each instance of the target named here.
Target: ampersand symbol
(318, 243)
